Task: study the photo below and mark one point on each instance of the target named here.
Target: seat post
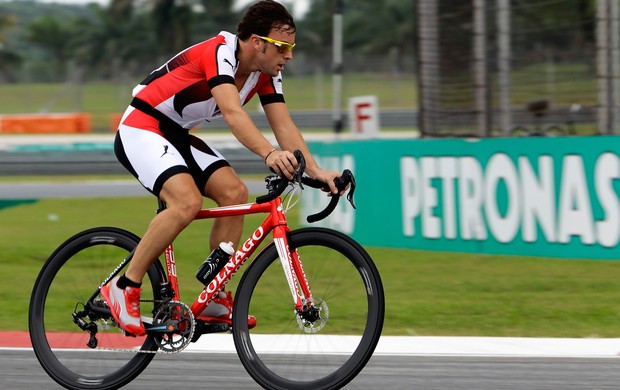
(161, 205)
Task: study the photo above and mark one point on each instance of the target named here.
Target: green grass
(427, 293)
(102, 99)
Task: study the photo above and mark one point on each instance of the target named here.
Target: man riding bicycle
(210, 79)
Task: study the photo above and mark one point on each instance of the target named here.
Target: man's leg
(183, 201)
(122, 294)
(226, 189)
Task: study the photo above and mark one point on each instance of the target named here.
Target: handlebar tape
(341, 183)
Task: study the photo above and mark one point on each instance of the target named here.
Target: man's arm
(290, 138)
(244, 129)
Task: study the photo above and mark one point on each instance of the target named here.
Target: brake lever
(341, 183)
(300, 169)
(352, 190)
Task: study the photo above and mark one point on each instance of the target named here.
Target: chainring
(175, 323)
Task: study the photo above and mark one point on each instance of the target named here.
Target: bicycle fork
(292, 266)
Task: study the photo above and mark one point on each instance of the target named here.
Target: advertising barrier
(55, 123)
(555, 197)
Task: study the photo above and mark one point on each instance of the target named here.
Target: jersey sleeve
(270, 89)
(219, 64)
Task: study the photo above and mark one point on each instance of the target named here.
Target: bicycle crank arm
(170, 326)
(204, 328)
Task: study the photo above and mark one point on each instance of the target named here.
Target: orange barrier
(45, 123)
(115, 120)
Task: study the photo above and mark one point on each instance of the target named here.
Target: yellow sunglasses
(283, 47)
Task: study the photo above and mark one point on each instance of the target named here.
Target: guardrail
(323, 119)
(98, 162)
(33, 161)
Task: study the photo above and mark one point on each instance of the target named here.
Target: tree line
(45, 42)
(135, 36)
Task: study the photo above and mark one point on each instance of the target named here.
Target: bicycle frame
(274, 223)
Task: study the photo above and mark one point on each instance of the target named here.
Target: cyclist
(210, 79)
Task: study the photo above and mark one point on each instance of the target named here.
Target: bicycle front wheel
(284, 351)
(65, 285)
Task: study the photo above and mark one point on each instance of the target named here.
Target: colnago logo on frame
(549, 198)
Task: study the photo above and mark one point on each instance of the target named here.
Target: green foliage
(135, 37)
(369, 27)
(108, 40)
(8, 58)
(52, 34)
(565, 25)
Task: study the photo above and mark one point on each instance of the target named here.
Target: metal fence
(501, 67)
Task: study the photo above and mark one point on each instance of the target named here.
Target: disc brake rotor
(321, 315)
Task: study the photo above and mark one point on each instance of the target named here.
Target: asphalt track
(479, 366)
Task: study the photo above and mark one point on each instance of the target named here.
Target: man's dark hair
(263, 16)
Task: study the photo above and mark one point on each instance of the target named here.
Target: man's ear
(256, 42)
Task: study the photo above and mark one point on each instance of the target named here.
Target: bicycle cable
(291, 198)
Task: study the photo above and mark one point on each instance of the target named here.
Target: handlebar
(276, 186)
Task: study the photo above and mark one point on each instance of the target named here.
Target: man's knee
(182, 198)
(226, 188)
(187, 208)
(235, 193)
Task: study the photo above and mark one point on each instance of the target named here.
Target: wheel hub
(314, 317)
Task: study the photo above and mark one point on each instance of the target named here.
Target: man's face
(276, 50)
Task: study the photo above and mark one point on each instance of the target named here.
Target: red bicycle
(318, 321)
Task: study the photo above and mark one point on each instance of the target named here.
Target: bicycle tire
(59, 344)
(280, 353)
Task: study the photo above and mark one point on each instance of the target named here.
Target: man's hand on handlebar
(285, 164)
(329, 181)
(328, 177)
(282, 163)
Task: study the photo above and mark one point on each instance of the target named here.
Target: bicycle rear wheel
(283, 351)
(68, 279)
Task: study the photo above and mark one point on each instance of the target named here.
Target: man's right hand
(283, 163)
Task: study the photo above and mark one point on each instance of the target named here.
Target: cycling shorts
(154, 158)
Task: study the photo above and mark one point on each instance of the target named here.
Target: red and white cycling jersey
(181, 88)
